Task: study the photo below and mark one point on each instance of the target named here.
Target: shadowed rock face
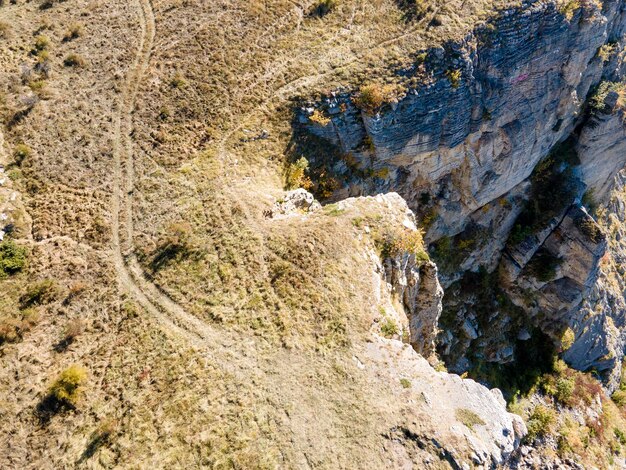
(522, 86)
(461, 152)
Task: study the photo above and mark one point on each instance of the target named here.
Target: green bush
(178, 81)
(373, 96)
(74, 32)
(567, 339)
(565, 389)
(606, 50)
(406, 383)
(66, 388)
(619, 397)
(21, 152)
(568, 8)
(543, 265)
(540, 422)
(12, 258)
(410, 242)
(596, 101)
(323, 7)
(296, 175)
(389, 328)
(454, 76)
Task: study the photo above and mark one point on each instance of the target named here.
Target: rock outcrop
(448, 418)
(408, 286)
(602, 147)
(298, 201)
(600, 323)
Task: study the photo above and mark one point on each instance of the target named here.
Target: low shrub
(414, 9)
(40, 293)
(72, 330)
(565, 389)
(395, 243)
(12, 258)
(567, 339)
(178, 81)
(296, 175)
(543, 265)
(605, 51)
(68, 385)
(373, 96)
(619, 397)
(389, 328)
(454, 77)
(176, 242)
(406, 383)
(319, 118)
(41, 44)
(590, 228)
(596, 101)
(540, 423)
(323, 7)
(73, 32)
(12, 330)
(74, 60)
(5, 30)
(567, 8)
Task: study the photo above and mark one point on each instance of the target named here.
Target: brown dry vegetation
(264, 375)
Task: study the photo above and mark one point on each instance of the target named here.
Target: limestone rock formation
(446, 417)
(600, 323)
(602, 148)
(458, 420)
(294, 202)
(494, 150)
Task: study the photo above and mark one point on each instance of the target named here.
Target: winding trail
(130, 275)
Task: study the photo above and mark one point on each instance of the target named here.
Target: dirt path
(130, 276)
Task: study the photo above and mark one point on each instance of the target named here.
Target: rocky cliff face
(494, 150)
(600, 322)
(470, 427)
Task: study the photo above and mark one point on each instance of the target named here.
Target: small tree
(372, 96)
(296, 177)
